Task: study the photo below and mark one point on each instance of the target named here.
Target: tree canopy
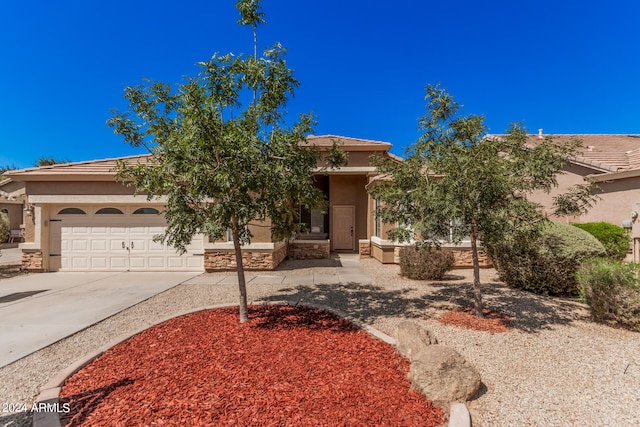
(221, 151)
(459, 183)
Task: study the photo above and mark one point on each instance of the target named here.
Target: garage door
(124, 243)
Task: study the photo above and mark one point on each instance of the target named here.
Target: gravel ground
(554, 368)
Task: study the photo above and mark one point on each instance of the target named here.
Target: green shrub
(425, 263)
(546, 263)
(614, 238)
(612, 290)
(4, 227)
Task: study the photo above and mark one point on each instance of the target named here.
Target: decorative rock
(443, 375)
(412, 338)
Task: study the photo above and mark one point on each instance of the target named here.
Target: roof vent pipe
(540, 133)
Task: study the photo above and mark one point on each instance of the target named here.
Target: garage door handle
(123, 245)
(131, 245)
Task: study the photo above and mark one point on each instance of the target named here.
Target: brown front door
(343, 227)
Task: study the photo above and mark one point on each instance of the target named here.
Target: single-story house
(612, 162)
(78, 217)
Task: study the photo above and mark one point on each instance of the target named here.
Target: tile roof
(102, 167)
(347, 142)
(607, 153)
(615, 153)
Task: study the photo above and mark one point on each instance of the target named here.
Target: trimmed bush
(425, 263)
(612, 290)
(614, 238)
(547, 263)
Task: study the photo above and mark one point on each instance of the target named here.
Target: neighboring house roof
(103, 170)
(12, 191)
(610, 156)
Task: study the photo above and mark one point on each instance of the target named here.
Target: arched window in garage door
(72, 211)
(146, 211)
(109, 211)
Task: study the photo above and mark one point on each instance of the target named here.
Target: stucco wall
(617, 198)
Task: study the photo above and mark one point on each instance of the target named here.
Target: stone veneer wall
(32, 261)
(463, 257)
(224, 260)
(364, 248)
(309, 249)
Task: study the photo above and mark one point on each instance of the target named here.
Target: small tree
(457, 183)
(220, 150)
(4, 227)
(49, 161)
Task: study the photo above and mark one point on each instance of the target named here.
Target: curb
(50, 392)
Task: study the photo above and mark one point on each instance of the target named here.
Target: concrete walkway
(10, 255)
(65, 303)
(342, 268)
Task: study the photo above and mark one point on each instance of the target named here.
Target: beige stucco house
(79, 218)
(612, 162)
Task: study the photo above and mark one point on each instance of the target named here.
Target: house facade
(78, 217)
(612, 162)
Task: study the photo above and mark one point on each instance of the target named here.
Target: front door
(343, 227)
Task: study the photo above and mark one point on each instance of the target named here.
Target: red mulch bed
(286, 366)
(492, 322)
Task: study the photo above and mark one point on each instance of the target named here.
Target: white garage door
(123, 243)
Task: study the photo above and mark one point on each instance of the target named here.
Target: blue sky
(562, 65)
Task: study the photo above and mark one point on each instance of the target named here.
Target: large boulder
(412, 338)
(443, 375)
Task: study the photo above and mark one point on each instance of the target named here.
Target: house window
(146, 211)
(312, 219)
(377, 221)
(109, 211)
(72, 211)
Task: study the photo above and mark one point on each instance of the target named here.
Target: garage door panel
(194, 262)
(156, 262)
(79, 263)
(117, 262)
(137, 263)
(93, 244)
(79, 245)
(175, 262)
(99, 262)
(98, 245)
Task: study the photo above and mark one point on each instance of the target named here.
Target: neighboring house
(79, 218)
(12, 197)
(612, 162)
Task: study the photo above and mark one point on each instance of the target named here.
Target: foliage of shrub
(425, 263)
(612, 290)
(546, 263)
(614, 238)
(4, 227)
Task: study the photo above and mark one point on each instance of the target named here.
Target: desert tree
(459, 183)
(220, 149)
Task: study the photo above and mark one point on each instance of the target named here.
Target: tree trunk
(242, 286)
(477, 292)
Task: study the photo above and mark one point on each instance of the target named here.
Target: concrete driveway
(69, 303)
